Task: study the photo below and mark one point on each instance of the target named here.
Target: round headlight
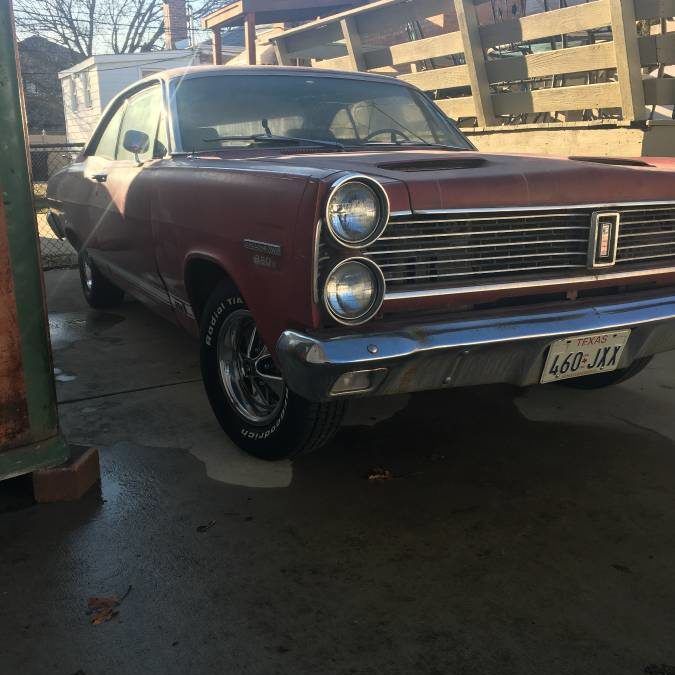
(356, 212)
(354, 290)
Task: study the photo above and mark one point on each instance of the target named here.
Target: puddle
(65, 328)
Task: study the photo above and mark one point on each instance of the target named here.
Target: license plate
(581, 355)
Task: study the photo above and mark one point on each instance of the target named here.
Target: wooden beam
(217, 47)
(654, 9)
(352, 38)
(659, 90)
(282, 55)
(310, 43)
(555, 62)
(462, 106)
(249, 38)
(417, 50)
(583, 97)
(625, 38)
(440, 78)
(556, 22)
(474, 57)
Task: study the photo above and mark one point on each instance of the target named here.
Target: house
(90, 85)
(41, 60)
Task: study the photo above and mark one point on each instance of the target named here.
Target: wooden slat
(440, 78)
(556, 62)
(657, 49)
(457, 107)
(606, 95)
(624, 39)
(474, 55)
(659, 90)
(417, 50)
(339, 63)
(654, 9)
(556, 22)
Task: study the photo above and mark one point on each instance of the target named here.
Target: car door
(100, 156)
(124, 237)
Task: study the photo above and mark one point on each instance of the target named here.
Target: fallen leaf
(378, 473)
(102, 609)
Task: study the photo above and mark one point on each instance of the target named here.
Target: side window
(107, 142)
(142, 114)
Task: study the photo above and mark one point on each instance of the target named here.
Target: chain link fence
(46, 160)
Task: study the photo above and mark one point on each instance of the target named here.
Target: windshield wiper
(259, 138)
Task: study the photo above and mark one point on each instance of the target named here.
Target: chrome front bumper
(503, 347)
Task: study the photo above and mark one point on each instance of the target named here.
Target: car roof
(206, 71)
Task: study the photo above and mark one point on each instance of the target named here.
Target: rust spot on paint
(13, 407)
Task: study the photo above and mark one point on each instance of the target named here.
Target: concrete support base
(71, 480)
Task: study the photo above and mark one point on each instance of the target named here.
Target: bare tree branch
(100, 26)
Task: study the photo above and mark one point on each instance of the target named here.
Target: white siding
(106, 79)
(80, 121)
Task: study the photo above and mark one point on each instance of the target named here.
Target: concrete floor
(523, 531)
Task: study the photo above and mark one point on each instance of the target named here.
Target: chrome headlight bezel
(384, 209)
(374, 306)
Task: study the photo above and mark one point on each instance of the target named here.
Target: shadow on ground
(500, 545)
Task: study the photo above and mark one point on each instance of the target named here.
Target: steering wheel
(393, 132)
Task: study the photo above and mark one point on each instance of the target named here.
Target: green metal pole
(31, 387)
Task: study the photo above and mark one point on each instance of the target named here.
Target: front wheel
(247, 392)
(98, 291)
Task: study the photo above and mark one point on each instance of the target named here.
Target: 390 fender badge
(262, 247)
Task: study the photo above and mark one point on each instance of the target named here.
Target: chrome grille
(466, 248)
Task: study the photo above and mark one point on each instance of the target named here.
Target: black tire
(251, 402)
(99, 292)
(602, 380)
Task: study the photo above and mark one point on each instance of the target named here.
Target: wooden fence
(601, 60)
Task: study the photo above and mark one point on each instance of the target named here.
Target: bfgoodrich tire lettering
(247, 394)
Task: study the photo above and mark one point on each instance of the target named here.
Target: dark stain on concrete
(495, 548)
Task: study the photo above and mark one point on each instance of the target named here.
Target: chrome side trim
(535, 283)
(506, 209)
(315, 262)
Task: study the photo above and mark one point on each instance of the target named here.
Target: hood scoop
(435, 164)
(615, 161)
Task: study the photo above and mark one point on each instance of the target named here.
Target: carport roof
(274, 11)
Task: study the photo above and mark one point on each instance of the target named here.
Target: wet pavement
(522, 531)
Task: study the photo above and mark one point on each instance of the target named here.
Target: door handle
(100, 177)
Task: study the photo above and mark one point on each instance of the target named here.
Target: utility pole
(29, 432)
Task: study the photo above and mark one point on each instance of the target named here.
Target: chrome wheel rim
(248, 374)
(87, 273)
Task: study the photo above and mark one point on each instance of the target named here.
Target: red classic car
(333, 234)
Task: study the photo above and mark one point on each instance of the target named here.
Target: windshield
(221, 111)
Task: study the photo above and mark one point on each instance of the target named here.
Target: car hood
(459, 180)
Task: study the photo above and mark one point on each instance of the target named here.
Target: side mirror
(136, 142)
